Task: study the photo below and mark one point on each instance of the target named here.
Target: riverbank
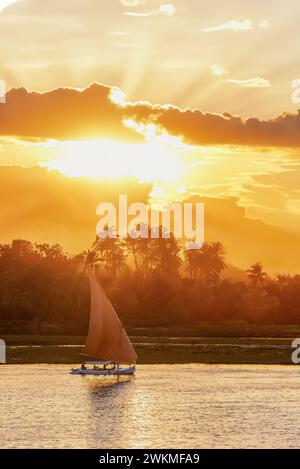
(155, 350)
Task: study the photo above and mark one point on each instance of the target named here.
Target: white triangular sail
(107, 338)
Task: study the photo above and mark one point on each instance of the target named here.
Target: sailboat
(107, 339)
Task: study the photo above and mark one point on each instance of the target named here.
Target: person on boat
(83, 367)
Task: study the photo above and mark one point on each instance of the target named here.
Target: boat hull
(116, 372)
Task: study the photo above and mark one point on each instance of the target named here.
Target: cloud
(167, 9)
(6, 3)
(218, 70)
(66, 114)
(198, 128)
(164, 9)
(132, 3)
(237, 25)
(233, 25)
(136, 13)
(255, 82)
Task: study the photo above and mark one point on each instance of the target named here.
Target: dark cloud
(71, 114)
(62, 114)
(198, 128)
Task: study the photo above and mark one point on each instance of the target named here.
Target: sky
(191, 97)
(207, 54)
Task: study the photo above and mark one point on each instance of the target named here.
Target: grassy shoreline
(155, 350)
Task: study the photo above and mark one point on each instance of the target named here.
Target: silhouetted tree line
(151, 282)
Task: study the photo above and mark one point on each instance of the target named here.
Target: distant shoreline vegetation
(152, 283)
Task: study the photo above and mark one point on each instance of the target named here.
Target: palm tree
(212, 261)
(132, 247)
(139, 248)
(53, 252)
(192, 257)
(112, 253)
(118, 259)
(283, 280)
(208, 261)
(256, 275)
(89, 259)
(165, 252)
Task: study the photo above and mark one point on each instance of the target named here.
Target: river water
(163, 406)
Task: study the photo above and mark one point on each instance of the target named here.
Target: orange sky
(195, 104)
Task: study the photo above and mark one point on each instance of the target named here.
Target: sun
(106, 159)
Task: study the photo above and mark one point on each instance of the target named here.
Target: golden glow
(117, 96)
(152, 161)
